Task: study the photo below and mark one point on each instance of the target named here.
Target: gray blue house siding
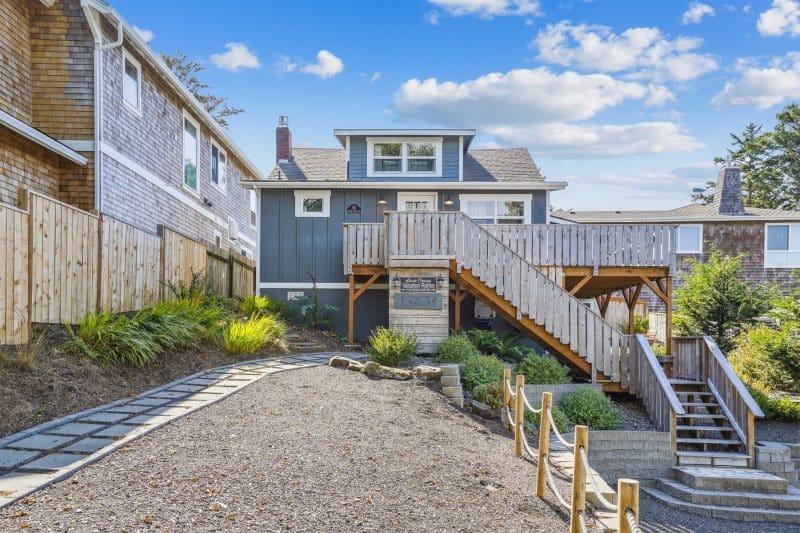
(358, 162)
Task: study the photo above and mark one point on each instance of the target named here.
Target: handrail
(648, 382)
(732, 376)
(672, 398)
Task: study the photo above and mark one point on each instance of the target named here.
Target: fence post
(519, 415)
(544, 444)
(628, 498)
(506, 398)
(231, 270)
(579, 478)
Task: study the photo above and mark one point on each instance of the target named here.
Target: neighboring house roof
(686, 214)
(42, 139)
(486, 165)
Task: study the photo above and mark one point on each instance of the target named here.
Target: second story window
(690, 239)
(420, 157)
(131, 83)
(219, 167)
(782, 246)
(253, 208)
(190, 144)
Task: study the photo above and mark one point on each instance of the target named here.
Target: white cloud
(146, 35)
(236, 57)
(284, 65)
(783, 17)
(679, 180)
(489, 8)
(641, 53)
(372, 78)
(432, 17)
(327, 66)
(540, 108)
(695, 13)
(762, 86)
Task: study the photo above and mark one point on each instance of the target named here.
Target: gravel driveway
(318, 449)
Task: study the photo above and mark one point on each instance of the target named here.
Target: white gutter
(686, 220)
(32, 134)
(501, 186)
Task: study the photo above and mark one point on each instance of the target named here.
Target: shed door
(417, 202)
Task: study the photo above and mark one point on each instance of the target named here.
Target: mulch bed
(59, 383)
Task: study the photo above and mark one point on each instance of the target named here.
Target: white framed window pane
(223, 170)
(313, 205)
(388, 149)
(777, 237)
(483, 220)
(794, 237)
(421, 165)
(214, 164)
(418, 206)
(189, 154)
(512, 208)
(253, 207)
(689, 239)
(794, 259)
(130, 89)
(388, 165)
(480, 208)
(777, 259)
(421, 150)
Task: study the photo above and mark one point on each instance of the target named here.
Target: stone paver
(41, 455)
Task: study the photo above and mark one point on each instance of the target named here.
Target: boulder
(483, 410)
(375, 370)
(425, 372)
(356, 366)
(341, 362)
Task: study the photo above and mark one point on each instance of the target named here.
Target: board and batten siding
(358, 162)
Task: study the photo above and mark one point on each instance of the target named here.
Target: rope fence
(515, 404)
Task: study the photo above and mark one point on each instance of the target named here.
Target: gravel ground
(309, 450)
(777, 431)
(632, 414)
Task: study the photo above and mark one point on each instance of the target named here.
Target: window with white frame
(690, 239)
(404, 157)
(131, 82)
(219, 167)
(253, 207)
(190, 153)
(782, 246)
(312, 203)
(497, 209)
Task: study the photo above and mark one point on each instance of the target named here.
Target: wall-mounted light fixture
(448, 201)
(381, 200)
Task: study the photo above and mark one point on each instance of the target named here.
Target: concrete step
(726, 429)
(743, 514)
(692, 440)
(729, 479)
(789, 501)
(696, 458)
(794, 449)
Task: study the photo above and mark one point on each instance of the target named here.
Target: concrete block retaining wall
(642, 455)
(776, 459)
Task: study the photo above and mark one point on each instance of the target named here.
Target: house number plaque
(417, 284)
(417, 300)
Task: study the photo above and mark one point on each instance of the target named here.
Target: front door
(416, 202)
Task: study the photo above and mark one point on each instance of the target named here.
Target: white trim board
(431, 185)
(307, 285)
(176, 193)
(32, 134)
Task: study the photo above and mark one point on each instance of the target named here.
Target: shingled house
(91, 116)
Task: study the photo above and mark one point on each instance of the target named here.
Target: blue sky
(628, 101)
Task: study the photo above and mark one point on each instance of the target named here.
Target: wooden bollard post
(579, 478)
(506, 398)
(544, 444)
(627, 498)
(519, 415)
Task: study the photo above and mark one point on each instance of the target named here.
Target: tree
(714, 301)
(785, 143)
(187, 70)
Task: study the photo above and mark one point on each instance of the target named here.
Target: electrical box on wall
(294, 296)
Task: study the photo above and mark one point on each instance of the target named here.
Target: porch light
(381, 200)
(448, 201)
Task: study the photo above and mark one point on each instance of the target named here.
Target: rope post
(628, 493)
(506, 396)
(519, 415)
(578, 478)
(544, 444)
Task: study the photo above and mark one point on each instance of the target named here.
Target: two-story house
(91, 116)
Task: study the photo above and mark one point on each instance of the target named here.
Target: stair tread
(691, 440)
(700, 404)
(722, 511)
(676, 381)
(693, 393)
(704, 428)
(702, 415)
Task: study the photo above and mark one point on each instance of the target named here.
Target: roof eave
(406, 185)
(340, 134)
(42, 139)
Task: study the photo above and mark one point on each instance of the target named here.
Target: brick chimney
(283, 140)
(728, 198)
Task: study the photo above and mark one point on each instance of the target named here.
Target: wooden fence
(59, 263)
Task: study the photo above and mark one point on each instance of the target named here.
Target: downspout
(91, 10)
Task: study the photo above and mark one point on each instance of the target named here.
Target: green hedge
(540, 370)
(390, 347)
(589, 407)
(455, 349)
(482, 369)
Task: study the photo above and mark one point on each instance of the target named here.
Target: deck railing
(364, 244)
(700, 359)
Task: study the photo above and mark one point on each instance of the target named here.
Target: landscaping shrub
(490, 393)
(542, 370)
(113, 339)
(768, 359)
(171, 324)
(559, 418)
(588, 406)
(390, 347)
(282, 310)
(455, 349)
(253, 334)
(195, 288)
(482, 369)
(776, 408)
(659, 349)
(254, 304)
(506, 348)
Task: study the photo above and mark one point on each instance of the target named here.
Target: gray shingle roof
(329, 164)
(689, 213)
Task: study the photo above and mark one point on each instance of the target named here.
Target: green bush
(559, 417)
(113, 339)
(455, 349)
(589, 407)
(490, 393)
(171, 324)
(506, 348)
(768, 359)
(482, 369)
(542, 370)
(254, 304)
(391, 347)
(659, 349)
(776, 408)
(282, 310)
(253, 334)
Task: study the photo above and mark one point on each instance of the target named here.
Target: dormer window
(415, 157)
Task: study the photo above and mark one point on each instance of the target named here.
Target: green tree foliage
(187, 70)
(714, 301)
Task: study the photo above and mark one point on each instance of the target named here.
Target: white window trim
(301, 195)
(371, 141)
(233, 229)
(402, 197)
(217, 237)
(187, 116)
(250, 212)
(126, 56)
(679, 250)
(222, 187)
(526, 199)
(766, 250)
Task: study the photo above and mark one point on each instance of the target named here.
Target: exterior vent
(233, 229)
